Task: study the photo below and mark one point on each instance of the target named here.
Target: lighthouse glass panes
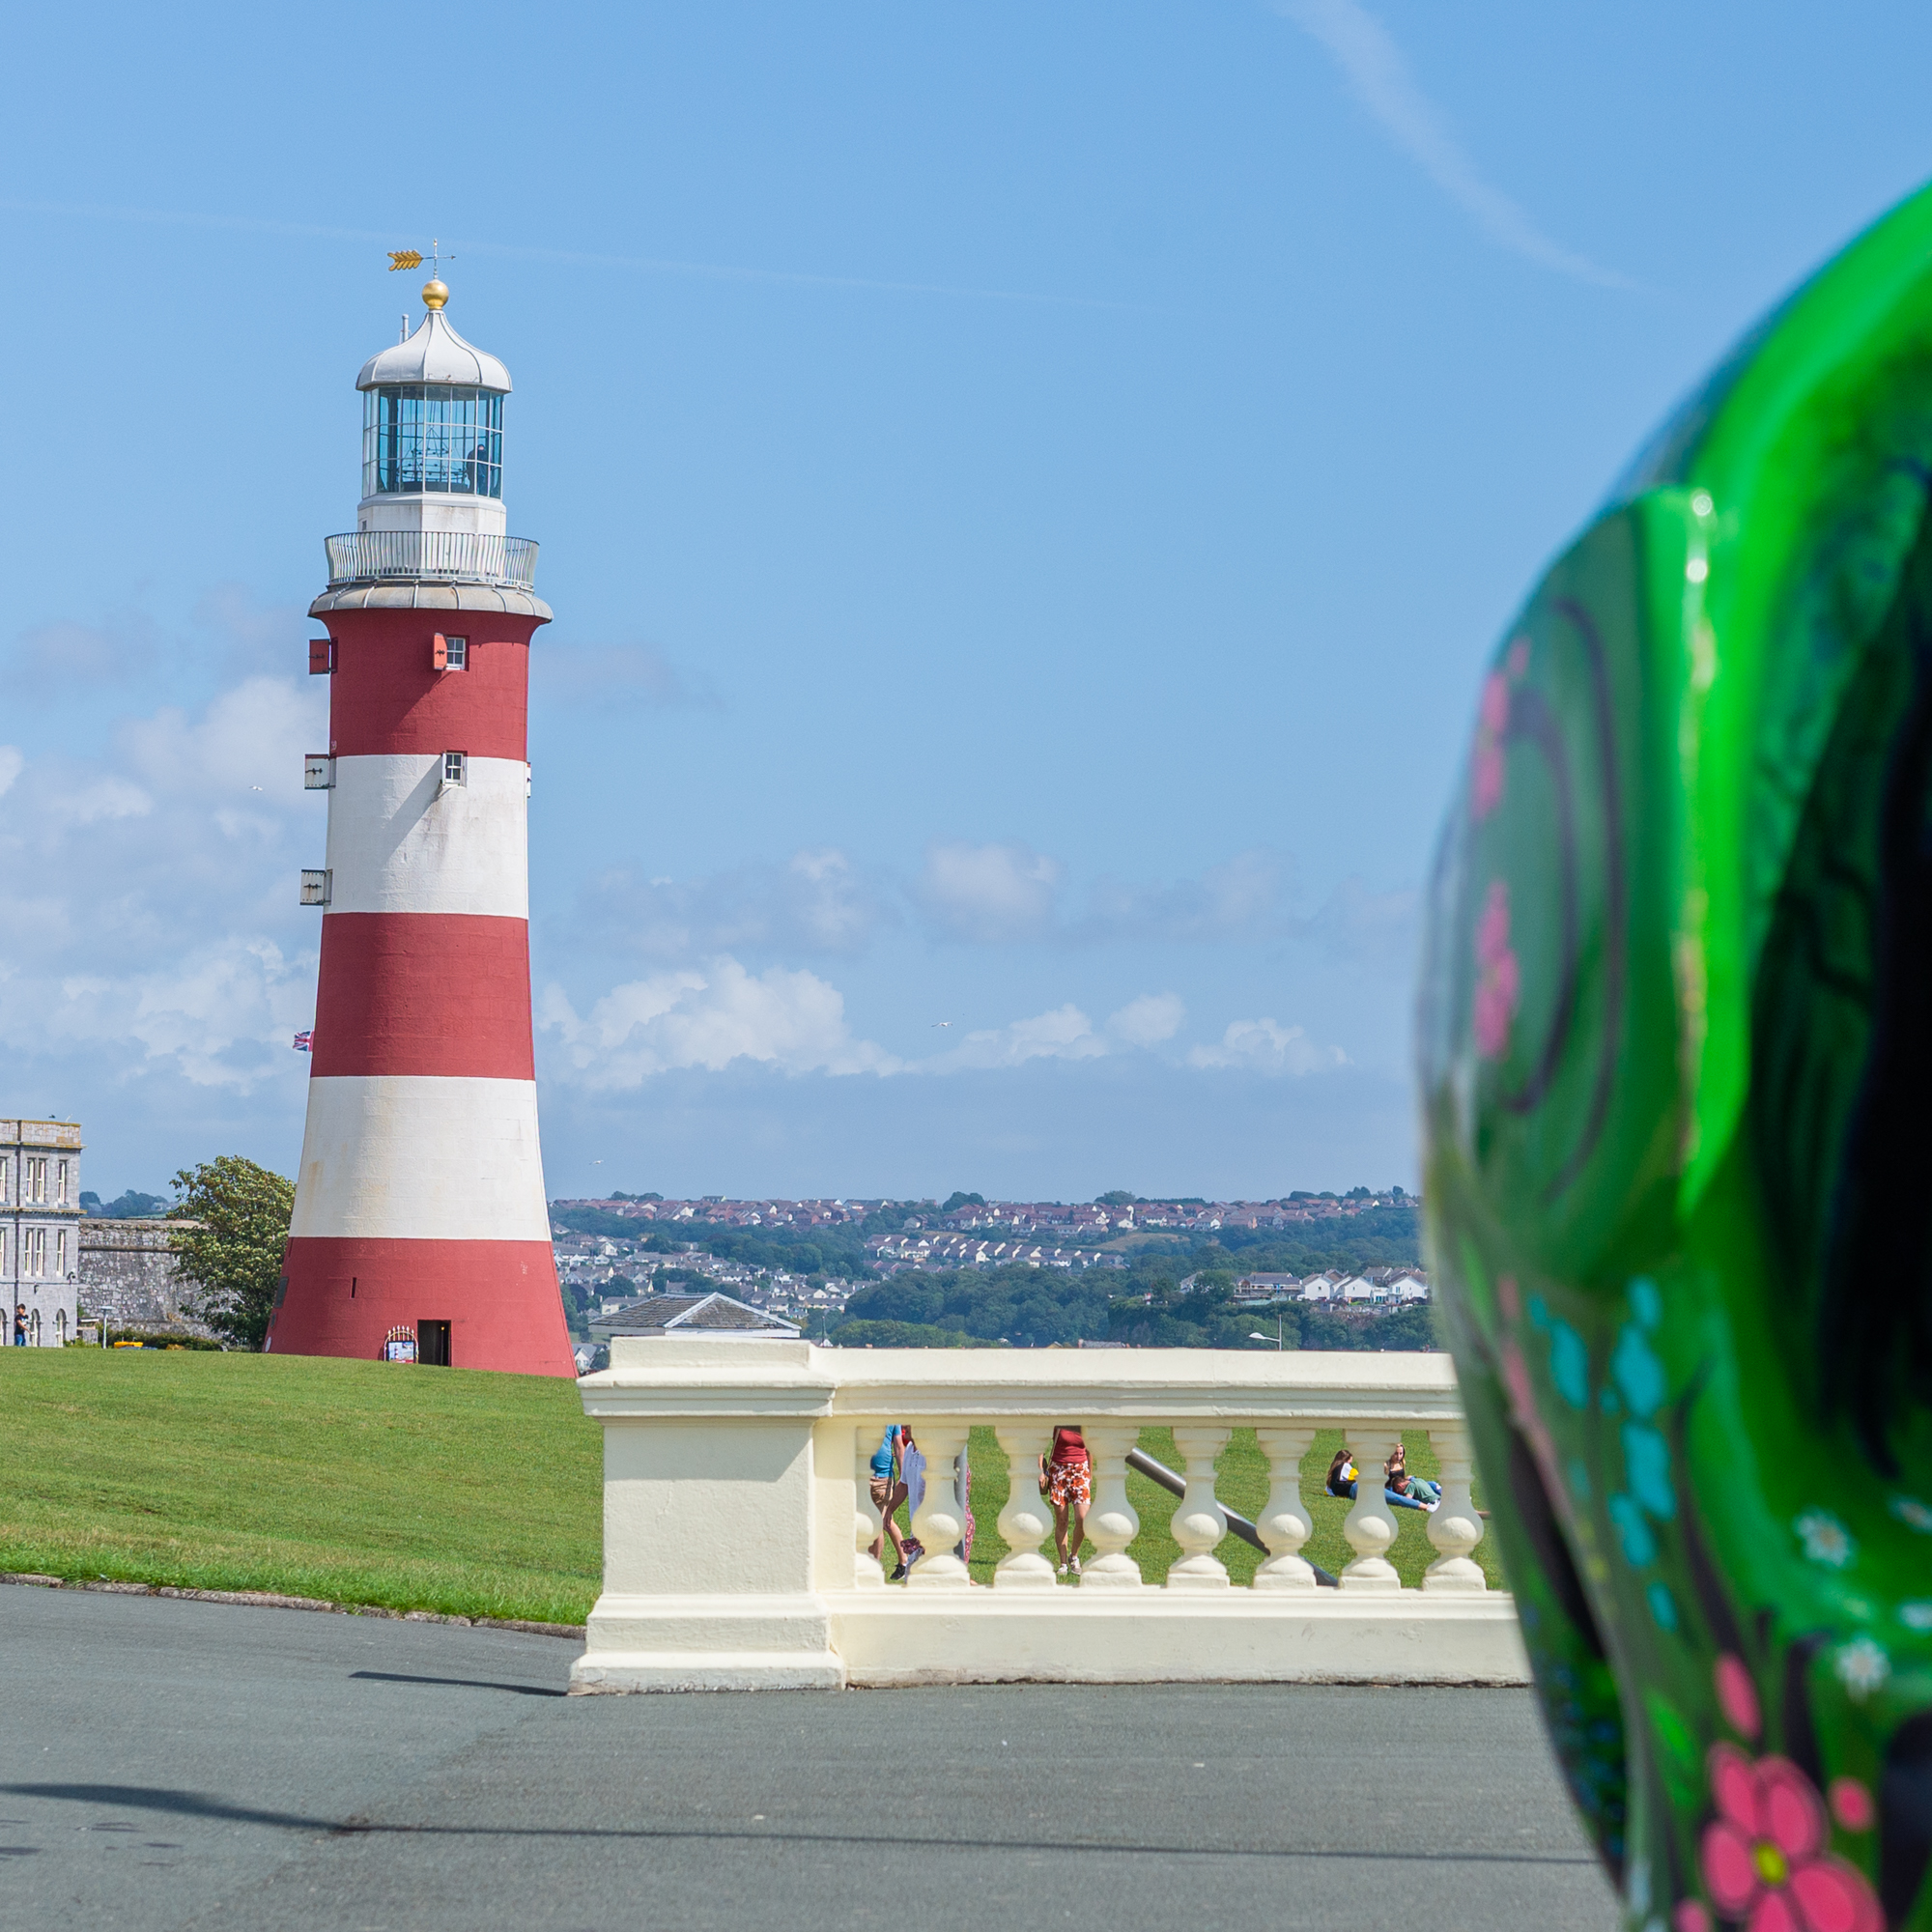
(439, 438)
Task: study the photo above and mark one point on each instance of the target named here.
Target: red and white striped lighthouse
(419, 1204)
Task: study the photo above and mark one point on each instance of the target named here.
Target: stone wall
(128, 1274)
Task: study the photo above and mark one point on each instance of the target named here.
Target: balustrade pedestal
(1199, 1522)
(1027, 1520)
(1285, 1525)
(1111, 1520)
(939, 1522)
(1370, 1527)
(1455, 1528)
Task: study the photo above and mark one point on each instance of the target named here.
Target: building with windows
(39, 1229)
(419, 1201)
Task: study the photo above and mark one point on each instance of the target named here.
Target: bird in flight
(941, 1023)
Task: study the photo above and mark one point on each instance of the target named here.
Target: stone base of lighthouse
(346, 1295)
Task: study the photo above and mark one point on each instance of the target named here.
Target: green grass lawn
(360, 1482)
(446, 1490)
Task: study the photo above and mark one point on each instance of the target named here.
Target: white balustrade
(1111, 1520)
(739, 1521)
(940, 1521)
(1199, 1521)
(1285, 1525)
(1370, 1529)
(1027, 1520)
(1456, 1529)
(869, 1526)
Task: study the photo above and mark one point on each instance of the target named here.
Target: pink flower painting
(1486, 762)
(1498, 978)
(1763, 1856)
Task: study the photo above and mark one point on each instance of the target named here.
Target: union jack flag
(305, 1041)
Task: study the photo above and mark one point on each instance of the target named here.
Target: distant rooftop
(714, 1315)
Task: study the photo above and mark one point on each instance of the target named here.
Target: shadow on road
(200, 1805)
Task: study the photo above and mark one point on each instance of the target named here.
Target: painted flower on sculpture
(1763, 1856)
(1915, 1616)
(1486, 763)
(1862, 1666)
(1825, 1537)
(1914, 1514)
(1498, 978)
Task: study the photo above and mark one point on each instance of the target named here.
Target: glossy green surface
(1670, 1034)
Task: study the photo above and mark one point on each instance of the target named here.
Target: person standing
(20, 1324)
(1066, 1482)
(887, 1494)
(912, 1485)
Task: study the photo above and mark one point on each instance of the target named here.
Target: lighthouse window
(455, 768)
(434, 436)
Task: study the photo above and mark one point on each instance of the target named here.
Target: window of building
(34, 1251)
(441, 437)
(36, 1177)
(60, 1183)
(455, 768)
(456, 653)
(60, 1254)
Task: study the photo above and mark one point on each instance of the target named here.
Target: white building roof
(434, 354)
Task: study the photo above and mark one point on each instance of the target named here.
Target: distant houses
(1375, 1288)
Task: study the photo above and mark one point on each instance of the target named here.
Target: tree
(234, 1254)
(958, 1200)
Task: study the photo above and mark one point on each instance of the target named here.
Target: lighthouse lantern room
(419, 1202)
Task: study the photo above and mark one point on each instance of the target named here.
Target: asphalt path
(166, 1764)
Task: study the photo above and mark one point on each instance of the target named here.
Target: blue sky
(1025, 491)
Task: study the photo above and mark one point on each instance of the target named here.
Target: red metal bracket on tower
(321, 656)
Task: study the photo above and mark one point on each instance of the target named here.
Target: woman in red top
(1066, 1482)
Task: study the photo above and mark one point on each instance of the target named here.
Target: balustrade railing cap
(673, 1377)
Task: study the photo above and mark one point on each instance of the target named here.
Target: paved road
(168, 1765)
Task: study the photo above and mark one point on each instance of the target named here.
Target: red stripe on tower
(420, 1198)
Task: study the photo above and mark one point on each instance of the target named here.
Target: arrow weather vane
(412, 258)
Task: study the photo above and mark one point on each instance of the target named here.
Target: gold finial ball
(434, 294)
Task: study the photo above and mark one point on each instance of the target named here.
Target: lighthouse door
(432, 1343)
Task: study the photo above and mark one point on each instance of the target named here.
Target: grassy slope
(447, 1489)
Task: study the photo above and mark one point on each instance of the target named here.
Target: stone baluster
(1455, 1528)
(867, 1526)
(1371, 1529)
(1285, 1525)
(1027, 1520)
(940, 1521)
(1112, 1523)
(1199, 1521)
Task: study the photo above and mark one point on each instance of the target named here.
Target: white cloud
(1379, 77)
(615, 674)
(12, 765)
(990, 894)
(1064, 1033)
(1266, 1047)
(1148, 1020)
(792, 1021)
(817, 902)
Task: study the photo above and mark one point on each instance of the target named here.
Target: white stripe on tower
(402, 840)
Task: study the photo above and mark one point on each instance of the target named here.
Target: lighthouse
(420, 1228)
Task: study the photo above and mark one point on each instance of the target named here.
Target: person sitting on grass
(1413, 1495)
(1406, 1490)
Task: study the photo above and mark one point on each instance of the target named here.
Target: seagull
(940, 1023)
(254, 787)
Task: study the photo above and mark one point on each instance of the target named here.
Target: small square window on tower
(455, 768)
(448, 653)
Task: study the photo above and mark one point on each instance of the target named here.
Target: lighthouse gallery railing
(463, 557)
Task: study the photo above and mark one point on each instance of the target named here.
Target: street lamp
(1256, 1335)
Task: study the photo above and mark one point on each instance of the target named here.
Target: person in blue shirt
(887, 1494)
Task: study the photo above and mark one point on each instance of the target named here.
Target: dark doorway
(432, 1343)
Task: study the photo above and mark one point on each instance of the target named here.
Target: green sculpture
(1676, 1062)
